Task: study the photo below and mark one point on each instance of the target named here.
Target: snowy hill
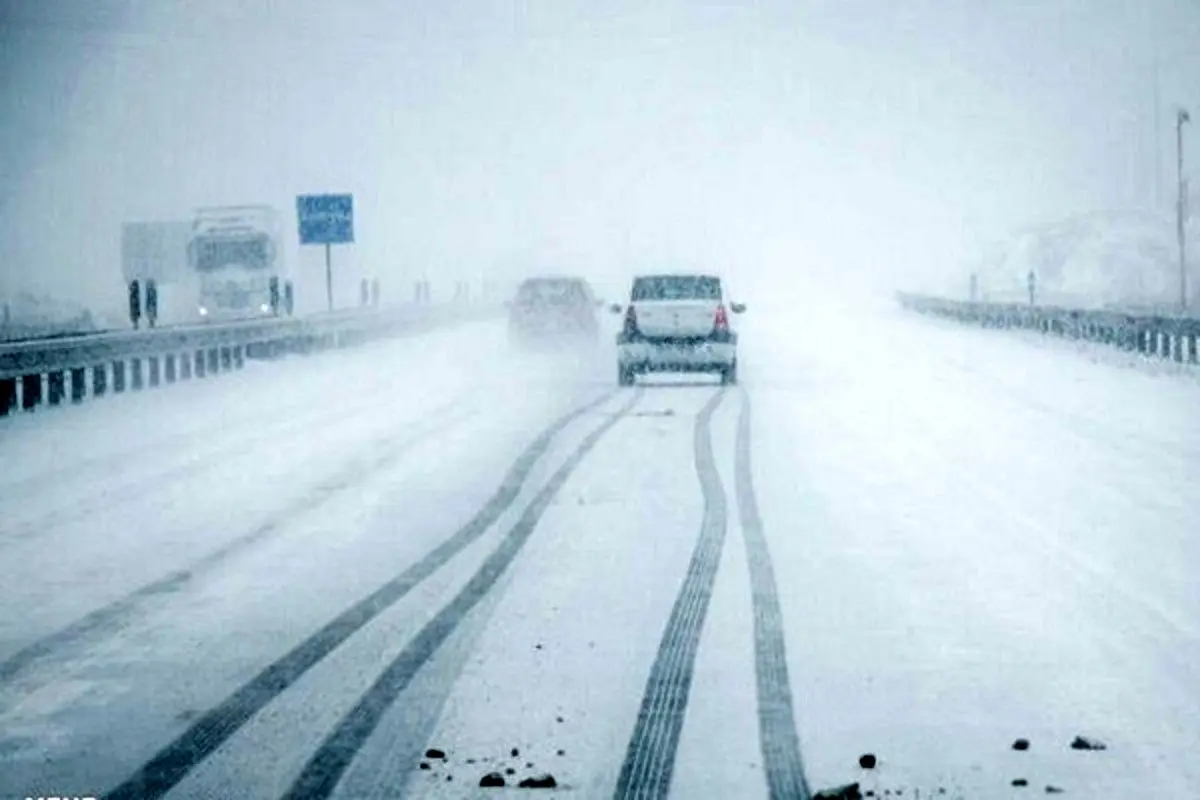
(1126, 260)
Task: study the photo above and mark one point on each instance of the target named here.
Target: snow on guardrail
(49, 369)
(1166, 335)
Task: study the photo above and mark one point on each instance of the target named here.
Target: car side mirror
(737, 308)
(615, 308)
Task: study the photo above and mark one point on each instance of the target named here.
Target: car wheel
(729, 374)
(625, 375)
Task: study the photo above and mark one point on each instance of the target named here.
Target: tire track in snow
(171, 764)
(650, 756)
(324, 770)
(776, 720)
(116, 613)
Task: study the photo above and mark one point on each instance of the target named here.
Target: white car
(677, 323)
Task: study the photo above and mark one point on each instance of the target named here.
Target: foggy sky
(863, 140)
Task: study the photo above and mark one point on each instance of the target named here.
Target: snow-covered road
(897, 537)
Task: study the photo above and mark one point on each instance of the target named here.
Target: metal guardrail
(1163, 335)
(52, 369)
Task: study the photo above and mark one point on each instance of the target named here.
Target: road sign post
(326, 219)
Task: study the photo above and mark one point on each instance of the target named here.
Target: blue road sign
(326, 218)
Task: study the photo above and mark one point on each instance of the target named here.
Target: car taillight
(630, 321)
(721, 323)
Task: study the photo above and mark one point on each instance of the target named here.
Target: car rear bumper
(676, 355)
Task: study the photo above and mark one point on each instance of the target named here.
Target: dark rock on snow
(867, 761)
(1020, 744)
(540, 782)
(433, 752)
(424, 765)
(1053, 790)
(848, 792)
(1020, 782)
(1087, 743)
(492, 780)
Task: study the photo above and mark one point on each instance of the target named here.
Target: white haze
(865, 143)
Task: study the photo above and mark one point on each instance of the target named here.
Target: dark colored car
(553, 310)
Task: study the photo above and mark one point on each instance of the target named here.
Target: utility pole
(1181, 117)
(1158, 172)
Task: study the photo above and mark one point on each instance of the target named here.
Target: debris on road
(492, 780)
(847, 792)
(1088, 743)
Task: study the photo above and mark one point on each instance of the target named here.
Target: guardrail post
(169, 367)
(239, 357)
(213, 361)
(31, 391)
(8, 395)
(226, 359)
(118, 376)
(135, 373)
(56, 387)
(152, 361)
(185, 366)
(99, 380)
(201, 365)
(78, 384)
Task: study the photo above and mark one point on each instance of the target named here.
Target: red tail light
(630, 321)
(721, 323)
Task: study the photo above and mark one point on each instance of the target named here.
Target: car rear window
(677, 287)
(552, 291)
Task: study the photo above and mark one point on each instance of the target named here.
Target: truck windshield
(214, 254)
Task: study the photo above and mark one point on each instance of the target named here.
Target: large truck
(236, 256)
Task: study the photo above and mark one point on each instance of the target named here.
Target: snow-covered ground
(975, 537)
